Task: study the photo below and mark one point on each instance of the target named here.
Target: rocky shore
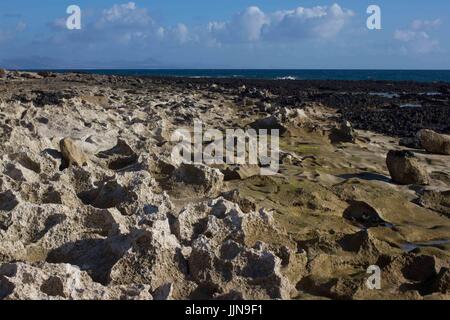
(92, 206)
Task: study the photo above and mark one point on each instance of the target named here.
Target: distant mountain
(38, 62)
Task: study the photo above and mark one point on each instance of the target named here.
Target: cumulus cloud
(416, 38)
(254, 25)
(125, 15)
(126, 24)
(245, 26)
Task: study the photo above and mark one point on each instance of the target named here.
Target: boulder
(72, 152)
(270, 123)
(343, 132)
(2, 73)
(434, 142)
(405, 168)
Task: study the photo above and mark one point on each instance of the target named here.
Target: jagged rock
(201, 175)
(245, 204)
(240, 172)
(405, 168)
(270, 123)
(3, 73)
(132, 224)
(191, 221)
(442, 281)
(164, 292)
(43, 281)
(119, 157)
(72, 152)
(256, 269)
(130, 192)
(155, 257)
(410, 269)
(343, 133)
(434, 142)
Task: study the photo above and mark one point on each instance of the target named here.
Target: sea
(284, 74)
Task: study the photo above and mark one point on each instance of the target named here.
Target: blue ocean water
(390, 75)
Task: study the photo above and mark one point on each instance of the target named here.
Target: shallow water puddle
(408, 247)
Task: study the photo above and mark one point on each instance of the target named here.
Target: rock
(270, 123)
(434, 142)
(201, 175)
(363, 215)
(442, 281)
(241, 172)
(244, 203)
(256, 269)
(30, 75)
(436, 200)
(72, 152)
(155, 258)
(164, 292)
(343, 133)
(119, 157)
(44, 281)
(3, 73)
(405, 168)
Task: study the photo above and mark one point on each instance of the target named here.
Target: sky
(228, 34)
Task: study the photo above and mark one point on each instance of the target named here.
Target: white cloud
(254, 25)
(425, 24)
(416, 39)
(126, 15)
(245, 26)
(316, 22)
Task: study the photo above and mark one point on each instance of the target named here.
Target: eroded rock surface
(93, 206)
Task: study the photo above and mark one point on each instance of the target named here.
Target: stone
(342, 133)
(434, 142)
(72, 152)
(44, 281)
(363, 215)
(269, 123)
(210, 179)
(442, 281)
(436, 200)
(405, 168)
(3, 73)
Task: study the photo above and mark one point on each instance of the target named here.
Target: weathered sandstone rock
(72, 152)
(434, 142)
(405, 168)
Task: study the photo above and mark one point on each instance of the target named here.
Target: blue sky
(225, 34)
